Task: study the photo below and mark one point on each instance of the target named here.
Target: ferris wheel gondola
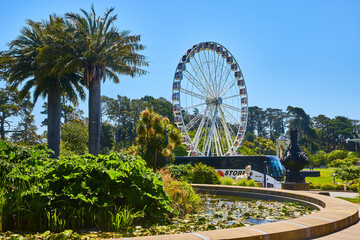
(210, 101)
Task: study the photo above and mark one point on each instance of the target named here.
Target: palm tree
(101, 51)
(28, 66)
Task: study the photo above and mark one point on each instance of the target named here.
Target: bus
(233, 166)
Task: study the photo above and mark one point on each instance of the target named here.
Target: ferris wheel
(210, 101)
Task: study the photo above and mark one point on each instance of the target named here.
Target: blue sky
(299, 53)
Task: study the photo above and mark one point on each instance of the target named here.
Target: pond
(219, 212)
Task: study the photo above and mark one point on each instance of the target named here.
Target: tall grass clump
(184, 199)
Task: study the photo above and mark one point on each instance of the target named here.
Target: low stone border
(334, 215)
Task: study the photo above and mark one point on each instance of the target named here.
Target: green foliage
(246, 183)
(77, 192)
(314, 185)
(9, 108)
(260, 146)
(353, 187)
(353, 155)
(346, 162)
(107, 139)
(227, 181)
(331, 186)
(336, 154)
(123, 217)
(251, 183)
(241, 182)
(264, 146)
(348, 173)
(204, 174)
(339, 187)
(327, 187)
(182, 172)
(247, 151)
(184, 199)
(151, 140)
(180, 151)
(318, 159)
(75, 137)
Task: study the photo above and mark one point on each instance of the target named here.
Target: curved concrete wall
(334, 215)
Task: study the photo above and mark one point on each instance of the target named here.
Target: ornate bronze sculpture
(294, 160)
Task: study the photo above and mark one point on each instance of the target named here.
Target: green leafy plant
(353, 187)
(241, 182)
(327, 187)
(182, 172)
(251, 183)
(349, 173)
(204, 174)
(77, 192)
(339, 187)
(227, 181)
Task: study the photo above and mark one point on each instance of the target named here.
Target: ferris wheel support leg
(211, 133)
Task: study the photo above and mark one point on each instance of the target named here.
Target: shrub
(341, 163)
(348, 173)
(318, 159)
(227, 181)
(182, 172)
(327, 187)
(251, 183)
(353, 187)
(58, 194)
(203, 174)
(184, 199)
(315, 185)
(353, 155)
(336, 154)
(241, 182)
(339, 187)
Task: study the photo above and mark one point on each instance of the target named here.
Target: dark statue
(294, 160)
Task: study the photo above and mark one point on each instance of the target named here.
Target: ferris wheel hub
(214, 101)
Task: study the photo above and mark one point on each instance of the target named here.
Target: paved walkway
(339, 194)
(350, 233)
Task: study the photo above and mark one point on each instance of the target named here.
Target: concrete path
(350, 233)
(339, 194)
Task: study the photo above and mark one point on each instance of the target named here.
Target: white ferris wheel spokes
(210, 101)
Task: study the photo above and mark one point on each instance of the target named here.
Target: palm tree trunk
(2, 126)
(94, 115)
(54, 118)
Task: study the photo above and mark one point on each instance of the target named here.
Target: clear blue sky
(299, 53)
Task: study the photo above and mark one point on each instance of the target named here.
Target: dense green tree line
(315, 133)
(120, 117)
